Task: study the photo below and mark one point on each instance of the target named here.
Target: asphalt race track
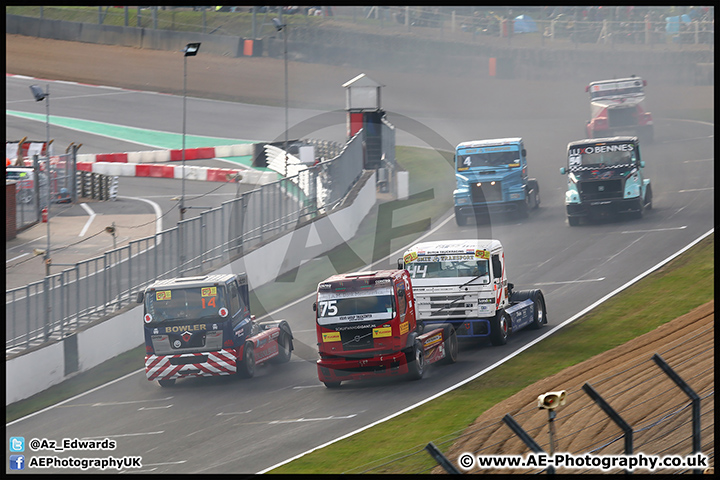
(229, 425)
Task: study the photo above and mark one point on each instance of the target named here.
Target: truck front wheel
(499, 328)
(460, 219)
(284, 348)
(166, 383)
(416, 362)
(451, 344)
(648, 198)
(246, 367)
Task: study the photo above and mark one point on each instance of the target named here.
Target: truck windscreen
(486, 157)
(184, 304)
(442, 267)
(355, 306)
(611, 155)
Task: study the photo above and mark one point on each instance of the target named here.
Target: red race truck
(618, 108)
(367, 326)
(202, 326)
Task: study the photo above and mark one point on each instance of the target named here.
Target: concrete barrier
(29, 374)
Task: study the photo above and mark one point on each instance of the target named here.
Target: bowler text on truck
(202, 326)
(464, 283)
(366, 327)
(492, 176)
(605, 177)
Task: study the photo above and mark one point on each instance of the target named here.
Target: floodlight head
(38, 93)
(191, 49)
(278, 24)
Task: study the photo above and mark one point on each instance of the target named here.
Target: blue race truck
(492, 177)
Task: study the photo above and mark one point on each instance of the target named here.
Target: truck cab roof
(199, 281)
(599, 141)
(490, 142)
(367, 275)
(450, 247)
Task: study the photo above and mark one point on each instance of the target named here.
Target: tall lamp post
(190, 50)
(39, 97)
(280, 27)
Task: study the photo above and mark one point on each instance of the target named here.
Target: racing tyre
(167, 383)
(648, 198)
(284, 346)
(499, 328)
(573, 221)
(332, 384)
(451, 345)
(416, 362)
(535, 204)
(246, 368)
(460, 219)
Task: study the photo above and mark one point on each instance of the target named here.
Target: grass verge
(653, 301)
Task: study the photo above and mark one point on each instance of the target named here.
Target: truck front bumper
(604, 207)
(205, 364)
(487, 208)
(336, 369)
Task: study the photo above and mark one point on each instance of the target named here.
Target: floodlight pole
(282, 27)
(40, 96)
(286, 99)
(182, 197)
(47, 170)
(190, 50)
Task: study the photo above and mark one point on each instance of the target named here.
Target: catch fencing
(666, 402)
(32, 196)
(92, 289)
(639, 25)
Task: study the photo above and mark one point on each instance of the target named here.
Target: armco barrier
(38, 370)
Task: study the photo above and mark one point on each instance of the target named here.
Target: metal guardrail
(92, 289)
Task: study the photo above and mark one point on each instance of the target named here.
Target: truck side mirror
(562, 170)
(314, 307)
(401, 265)
(140, 297)
(524, 152)
(642, 163)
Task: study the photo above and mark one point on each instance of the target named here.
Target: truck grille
(486, 192)
(600, 190)
(621, 117)
(357, 339)
(442, 306)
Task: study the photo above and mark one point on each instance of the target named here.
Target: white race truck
(464, 283)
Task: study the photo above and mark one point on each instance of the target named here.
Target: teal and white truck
(492, 177)
(605, 177)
